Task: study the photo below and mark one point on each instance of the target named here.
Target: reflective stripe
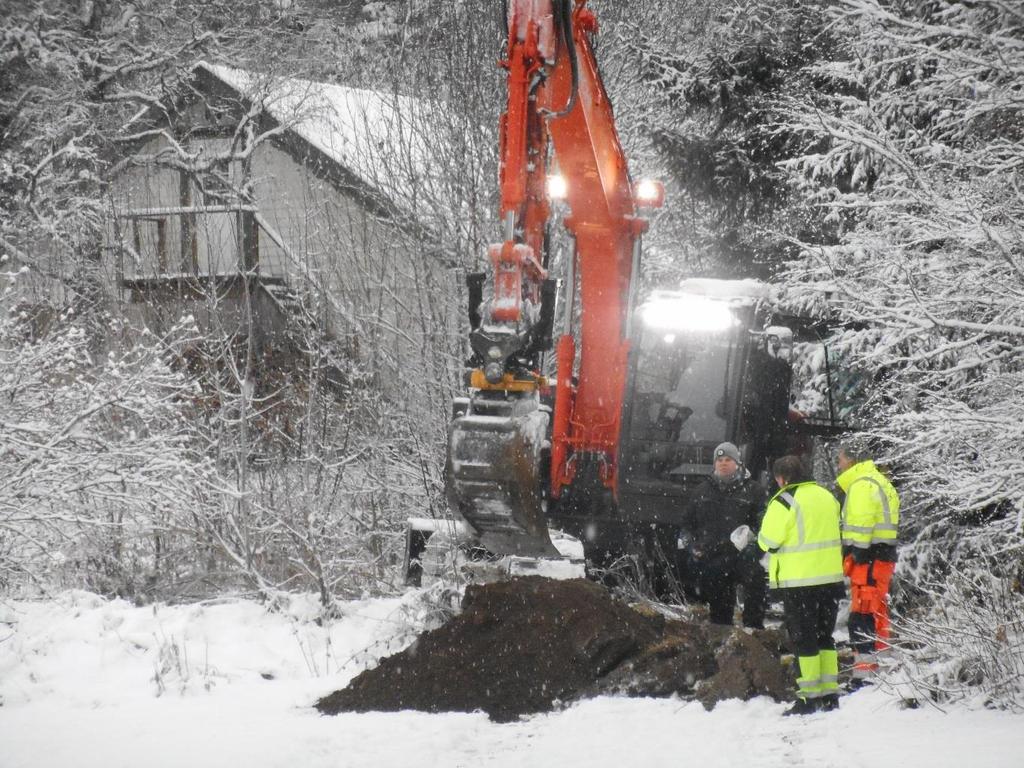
(858, 528)
(829, 671)
(801, 531)
(791, 502)
(771, 544)
(886, 512)
(811, 581)
(857, 543)
(810, 547)
(865, 665)
(866, 543)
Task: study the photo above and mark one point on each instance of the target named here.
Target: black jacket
(715, 510)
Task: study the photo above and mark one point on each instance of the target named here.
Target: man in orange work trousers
(870, 521)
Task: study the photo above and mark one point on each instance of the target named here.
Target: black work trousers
(719, 578)
(811, 617)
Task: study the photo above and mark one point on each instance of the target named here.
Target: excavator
(608, 446)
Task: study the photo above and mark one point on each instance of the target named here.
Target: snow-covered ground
(88, 682)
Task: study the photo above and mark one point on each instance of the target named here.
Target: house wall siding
(364, 278)
(393, 303)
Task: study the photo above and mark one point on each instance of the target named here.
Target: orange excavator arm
(607, 231)
(556, 99)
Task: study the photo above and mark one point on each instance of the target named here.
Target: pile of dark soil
(527, 645)
(707, 662)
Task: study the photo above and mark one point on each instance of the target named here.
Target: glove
(741, 537)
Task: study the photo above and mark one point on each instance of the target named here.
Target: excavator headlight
(494, 353)
(557, 187)
(494, 372)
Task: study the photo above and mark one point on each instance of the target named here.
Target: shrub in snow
(967, 645)
(99, 460)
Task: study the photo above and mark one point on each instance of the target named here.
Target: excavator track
(493, 475)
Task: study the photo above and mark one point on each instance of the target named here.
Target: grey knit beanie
(730, 450)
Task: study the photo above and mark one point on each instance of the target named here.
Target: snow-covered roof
(701, 304)
(378, 136)
(735, 291)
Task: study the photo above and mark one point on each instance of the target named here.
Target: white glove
(741, 537)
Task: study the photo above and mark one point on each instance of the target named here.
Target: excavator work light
(557, 187)
(692, 313)
(648, 193)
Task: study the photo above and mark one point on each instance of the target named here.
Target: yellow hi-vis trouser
(819, 675)
(808, 681)
(810, 622)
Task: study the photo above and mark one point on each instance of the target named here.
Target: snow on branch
(914, 159)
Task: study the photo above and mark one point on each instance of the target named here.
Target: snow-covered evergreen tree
(915, 156)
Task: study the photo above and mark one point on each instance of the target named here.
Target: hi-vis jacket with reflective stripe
(871, 511)
(801, 531)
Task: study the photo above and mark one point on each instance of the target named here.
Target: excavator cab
(703, 370)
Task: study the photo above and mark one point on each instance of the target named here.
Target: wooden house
(279, 208)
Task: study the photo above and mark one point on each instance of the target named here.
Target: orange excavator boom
(556, 100)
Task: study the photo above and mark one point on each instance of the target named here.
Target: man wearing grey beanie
(723, 503)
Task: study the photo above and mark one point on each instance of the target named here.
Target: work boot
(829, 702)
(802, 707)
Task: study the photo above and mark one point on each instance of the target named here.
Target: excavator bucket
(493, 475)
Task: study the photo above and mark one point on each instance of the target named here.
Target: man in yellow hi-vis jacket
(870, 519)
(800, 530)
